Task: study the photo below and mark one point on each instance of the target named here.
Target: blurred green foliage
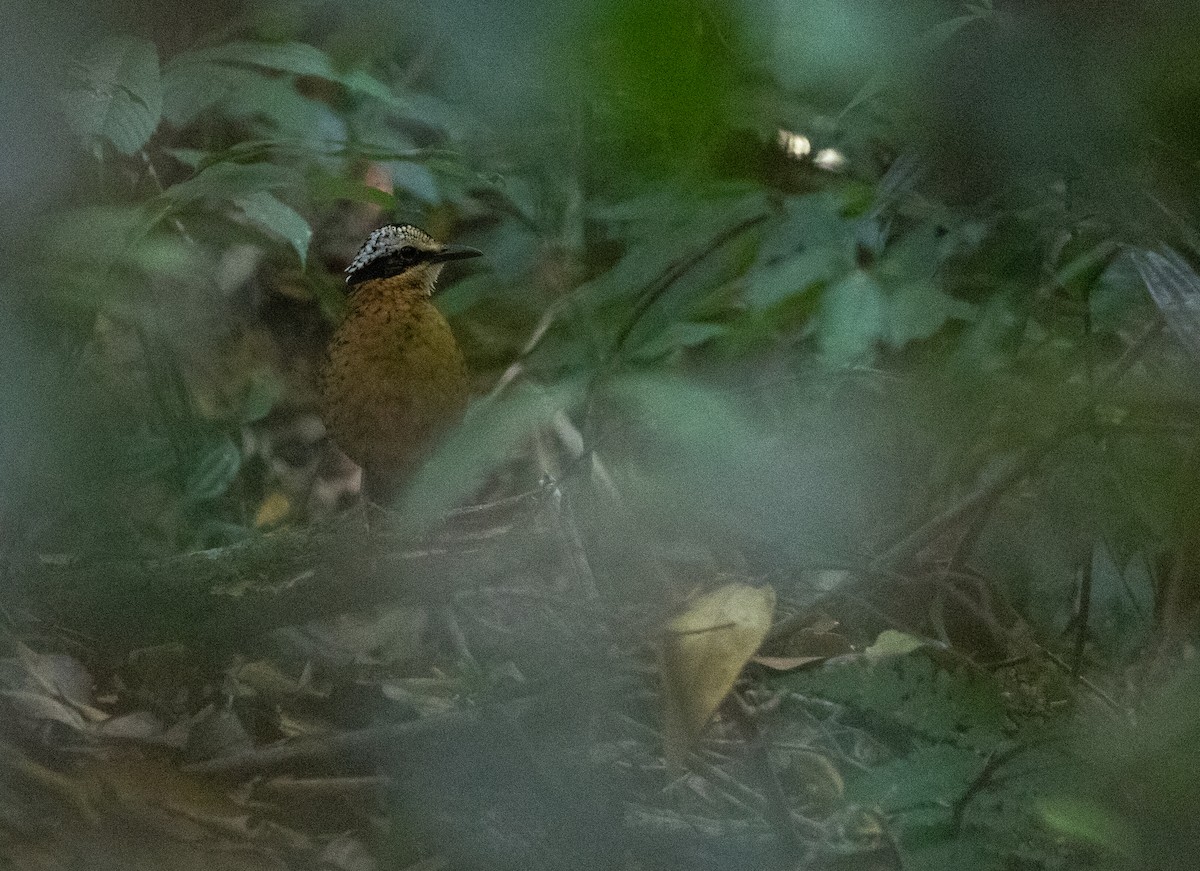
(800, 273)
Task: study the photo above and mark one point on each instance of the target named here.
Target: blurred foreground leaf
(298, 58)
(1135, 793)
(665, 71)
(241, 77)
(268, 213)
(101, 257)
(1175, 288)
(228, 181)
(853, 317)
(214, 470)
(1086, 821)
(118, 96)
(492, 431)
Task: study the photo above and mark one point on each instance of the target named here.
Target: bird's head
(402, 249)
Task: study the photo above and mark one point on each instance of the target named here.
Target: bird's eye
(407, 252)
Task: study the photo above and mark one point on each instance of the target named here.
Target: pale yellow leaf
(272, 510)
(704, 651)
(892, 642)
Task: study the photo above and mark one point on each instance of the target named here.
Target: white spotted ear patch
(388, 240)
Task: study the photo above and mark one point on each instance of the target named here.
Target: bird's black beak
(455, 252)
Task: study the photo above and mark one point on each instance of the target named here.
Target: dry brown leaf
(806, 647)
(704, 651)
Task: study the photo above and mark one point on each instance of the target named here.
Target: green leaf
(190, 88)
(936, 775)
(924, 46)
(297, 58)
(265, 211)
(663, 229)
(852, 318)
(470, 291)
(810, 222)
(835, 44)
(665, 70)
(190, 157)
(99, 256)
(231, 181)
(957, 708)
(692, 454)
(1115, 293)
(697, 456)
(678, 335)
(323, 187)
(700, 424)
(261, 396)
(94, 234)
(917, 310)
(119, 94)
(416, 180)
(438, 115)
(1086, 821)
(995, 332)
(492, 430)
(797, 274)
(1122, 602)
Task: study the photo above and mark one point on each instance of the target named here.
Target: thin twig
(310, 787)
(1083, 617)
(669, 276)
(572, 539)
(777, 812)
(1088, 684)
(355, 742)
(515, 368)
(458, 638)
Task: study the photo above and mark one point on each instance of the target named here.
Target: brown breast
(393, 383)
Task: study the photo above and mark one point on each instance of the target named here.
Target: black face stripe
(389, 265)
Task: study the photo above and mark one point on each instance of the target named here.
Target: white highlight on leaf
(795, 145)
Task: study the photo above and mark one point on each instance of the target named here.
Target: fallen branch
(221, 598)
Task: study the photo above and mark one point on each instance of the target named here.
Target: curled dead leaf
(704, 651)
(804, 648)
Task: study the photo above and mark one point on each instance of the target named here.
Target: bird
(394, 380)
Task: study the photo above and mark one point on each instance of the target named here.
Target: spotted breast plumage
(394, 379)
